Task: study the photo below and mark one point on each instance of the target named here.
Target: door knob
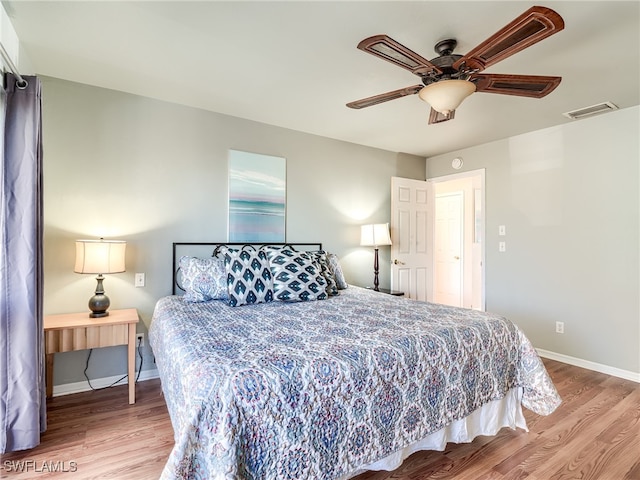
(398, 262)
(456, 257)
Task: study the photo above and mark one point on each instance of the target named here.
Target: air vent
(592, 110)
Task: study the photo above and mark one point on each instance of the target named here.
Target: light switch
(502, 246)
(139, 282)
(502, 230)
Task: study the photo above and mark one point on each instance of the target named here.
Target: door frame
(481, 222)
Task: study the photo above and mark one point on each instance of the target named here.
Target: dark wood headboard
(210, 249)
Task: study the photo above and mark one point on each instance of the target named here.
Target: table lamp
(99, 256)
(375, 235)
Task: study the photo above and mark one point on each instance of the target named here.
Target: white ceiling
(295, 64)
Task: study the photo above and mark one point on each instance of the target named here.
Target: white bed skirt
(487, 420)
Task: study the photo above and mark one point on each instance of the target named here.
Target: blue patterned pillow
(296, 277)
(248, 277)
(203, 279)
(337, 271)
(320, 256)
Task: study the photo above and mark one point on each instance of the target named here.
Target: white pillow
(203, 279)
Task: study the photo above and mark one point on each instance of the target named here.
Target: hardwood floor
(98, 434)
(594, 434)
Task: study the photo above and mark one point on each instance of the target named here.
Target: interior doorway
(415, 231)
(458, 237)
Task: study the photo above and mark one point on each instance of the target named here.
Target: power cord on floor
(120, 379)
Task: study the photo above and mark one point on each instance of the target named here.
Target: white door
(410, 237)
(448, 274)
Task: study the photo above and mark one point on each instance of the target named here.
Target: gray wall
(151, 173)
(569, 197)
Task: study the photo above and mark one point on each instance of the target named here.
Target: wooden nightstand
(77, 331)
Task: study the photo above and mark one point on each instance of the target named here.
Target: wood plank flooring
(97, 434)
(594, 434)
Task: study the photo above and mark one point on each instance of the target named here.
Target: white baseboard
(597, 367)
(77, 387)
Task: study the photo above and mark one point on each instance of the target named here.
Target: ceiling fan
(449, 78)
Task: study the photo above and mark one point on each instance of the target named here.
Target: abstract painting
(257, 197)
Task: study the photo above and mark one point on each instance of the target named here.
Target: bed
(327, 388)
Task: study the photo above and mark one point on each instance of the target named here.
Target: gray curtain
(22, 379)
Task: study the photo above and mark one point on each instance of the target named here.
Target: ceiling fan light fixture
(446, 95)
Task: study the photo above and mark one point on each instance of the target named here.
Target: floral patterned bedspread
(317, 389)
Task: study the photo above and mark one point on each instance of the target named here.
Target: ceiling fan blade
(535, 86)
(534, 25)
(388, 49)
(437, 117)
(385, 97)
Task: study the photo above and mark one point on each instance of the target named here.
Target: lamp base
(99, 303)
(376, 270)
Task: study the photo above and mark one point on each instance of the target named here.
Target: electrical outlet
(559, 327)
(139, 339)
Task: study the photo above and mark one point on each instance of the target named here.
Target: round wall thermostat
(456, 163)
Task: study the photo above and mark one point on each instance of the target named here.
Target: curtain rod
(21, 83)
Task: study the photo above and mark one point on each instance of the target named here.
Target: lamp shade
(446, 95)
(100, 256)
(375, 235)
